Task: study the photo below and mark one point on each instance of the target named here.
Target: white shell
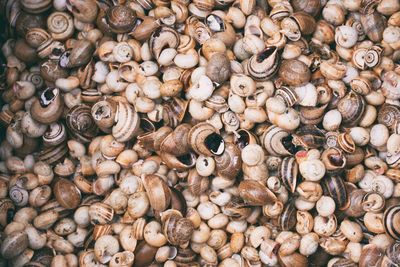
(346, 36)
(332, 120)
(312, 170)
(379, 135)
(359, 135)
(307, 94)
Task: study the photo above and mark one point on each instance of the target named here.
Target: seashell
(35, 6)
(288, 95)
(60, 25)
(177, 230)
(7, 210)
(174, 111)
(81, 124)
(49, 107)
(158, 192)
(288, 218)
(264, 65)
(36, 36)
(85, 11)
(218, 68)
(334, 187)
(121, 19)
(79, 55)
(19, 196)
(311, 7)
(391, 221)
(163, 37)
(100, 213)
(67, 194)
(361, 85)
(205, 140)
(217, 103)
(312, 115)
(308, 136)
(180, 163)
(373, 25)
(176, 143)
(280, 11)
(312, 170)
(346, 143)
(229, 163)
(14, 244)
(127, 123)
(298, 24)
(288, 173)
(294, 72)
(255, 194)
(278, 142)
(390, 85)
(352, 108)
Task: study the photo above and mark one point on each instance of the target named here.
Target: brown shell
(391, 221)
(305, 21)
(81, 124)
(205, 140)
(335, 187)
(288, 173)
(158, 192)
(121, 18)
(293, 72)
(67, 194)
(288, 218)
(373, 24)
(229, 163)
(311, 7)
(49, 107)
(255, 194)
(352, 108)
(177, 142)
(177, 230)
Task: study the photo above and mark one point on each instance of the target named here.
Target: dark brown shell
(389, 115)
(174, 111)
(79, 55)
(309, 136)
(177, 230)
(205, 140)
(255, 194)
(263, 66)
(144, 254)
(305, 21)
(81, 124)
(121, 19)
(177, 142)
(67, 194)
(293, 72)
(237, 209)
(370, 254)
(352, 107)
(6, 211)
(288, 218)
(335, 187)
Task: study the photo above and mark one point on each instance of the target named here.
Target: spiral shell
(373, 56)
(127, 123)
(288, 218)
(373, 24)
(158, 192)
(263, 66)
(255, 194)
(352, 108)
(100, 213)
(36, 36)
(288, 172)
(80, 123)
(36, 6)
(334, 187)
(205, 140)
(67, 194)
(60, 25)
(288, 95)
(229, 163)
(391, 221)
(19, 196)
(311, 7)
(55, 134)
(277, 141)
(294, 72)
(121, 19)
(177, 230)
(174, 111)
(389, 115)
(163, 37)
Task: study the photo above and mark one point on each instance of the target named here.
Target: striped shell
(334, 187)
(288, 173)
(391, 221)
(263, 66)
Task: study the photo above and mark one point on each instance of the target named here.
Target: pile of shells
(226, 133)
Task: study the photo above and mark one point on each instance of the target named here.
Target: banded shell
(288, 172)
(288, 218)
(278, 142)
(391, 221)
(352, 108)
(263, 66)
(288, 95)
(335, 187)
(127, 123)
(229, 163)
(81, 124)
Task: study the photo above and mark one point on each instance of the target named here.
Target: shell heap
(225, 133)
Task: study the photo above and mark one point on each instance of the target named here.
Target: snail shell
(389, 115)
(311, 7)
(229, 163)
(288, 95)
(391, 221)
(177, 230)
(263, 66)
(163, 37)
(334, 186)
(293, 72)
(81, 124)
(60, 25)
(103, 113)
(14, 244)
(36, 36)
(174, 111)
(373, 24)
(127, 123)
(288, 218)
(277, 141)
(205, 140)
(7, 209)
(121, 19)
(35, 6)
(100, 213)
(158, 192)
(67, 194)
(288, 172)
(55, 134)
(352, 108)
(79, 55)
(49, 107)
(297, 24)
(177, 142)
(19, 196)
(218, 68)
(309, 136)
(255, 194)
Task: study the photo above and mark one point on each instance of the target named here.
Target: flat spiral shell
(391, 221)
(60, 25)
(80, 123)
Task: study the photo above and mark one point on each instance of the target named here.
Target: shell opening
(186, 159)
(265, 54)
(242, 139)
(47, 97)
(215, 143)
